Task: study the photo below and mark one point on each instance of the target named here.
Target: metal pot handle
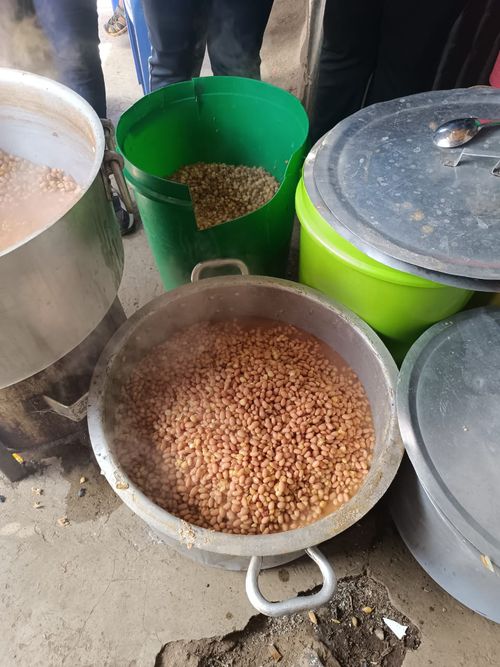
(113, 164)
(75, 412)
(297, 604)
(218, 264)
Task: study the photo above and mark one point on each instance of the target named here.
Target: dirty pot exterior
(245, 296)
(57, 285)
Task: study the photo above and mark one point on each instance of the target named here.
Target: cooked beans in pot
(31, 197)
(245, 427)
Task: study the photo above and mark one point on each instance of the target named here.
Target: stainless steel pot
(447, 495)
(58, 284)
(450, 559)
(248, 296)
(49, 408)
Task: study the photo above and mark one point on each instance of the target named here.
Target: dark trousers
(180, 30)
(377, 50)
(71, 27)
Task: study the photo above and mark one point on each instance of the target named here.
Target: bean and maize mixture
(245, 427)
(31, 197)
(222, 192)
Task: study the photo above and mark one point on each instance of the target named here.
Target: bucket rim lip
(441, 278)
(125, 123)
(42, 83)
(378, 271)
(191, 535)
(190, 85)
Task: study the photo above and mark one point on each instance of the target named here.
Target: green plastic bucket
(398, 305)
(213, 119)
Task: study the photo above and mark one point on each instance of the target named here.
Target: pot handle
(113, 164)
(218, 264)
(294, 605)
(75, 412)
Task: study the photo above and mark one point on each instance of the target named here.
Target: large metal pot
(58, 284)
(50, 407)
(450, 559)
(446, 499)
(244, 296)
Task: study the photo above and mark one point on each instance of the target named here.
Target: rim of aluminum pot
(48, 88)
(193, 536)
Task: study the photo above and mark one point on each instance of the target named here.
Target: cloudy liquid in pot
(31, 197)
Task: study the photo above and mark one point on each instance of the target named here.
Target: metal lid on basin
(449, 414)
(379, 180)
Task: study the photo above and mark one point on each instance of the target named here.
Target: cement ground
(103, 592)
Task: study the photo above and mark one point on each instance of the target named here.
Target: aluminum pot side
(224, 561)
(229, 297)
(451, 560)
(57, 284)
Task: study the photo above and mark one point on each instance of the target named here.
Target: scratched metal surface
(448, 403)
(383, 185)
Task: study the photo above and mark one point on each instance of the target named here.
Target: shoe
(126, 220)
(117, 24)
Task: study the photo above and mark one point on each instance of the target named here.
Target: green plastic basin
(398, 305)
(213, 119)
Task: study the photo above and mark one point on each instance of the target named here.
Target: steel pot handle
(218, 264)
(113, 164)
(297, 604)
(75, 412)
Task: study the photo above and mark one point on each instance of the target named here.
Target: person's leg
(71, 27)
(413, 36)
(177, 30)
(351, 31)
(235, 35)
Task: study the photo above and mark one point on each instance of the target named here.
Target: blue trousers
(180, 30)
(71, 27)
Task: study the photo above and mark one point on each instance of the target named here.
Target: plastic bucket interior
(398, 305)
(213, 119)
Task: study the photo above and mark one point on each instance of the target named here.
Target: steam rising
(23, 44)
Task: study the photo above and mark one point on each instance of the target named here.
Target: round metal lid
(384, 186)
(448, 401)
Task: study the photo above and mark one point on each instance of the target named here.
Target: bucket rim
(194, 90)
(347, 253)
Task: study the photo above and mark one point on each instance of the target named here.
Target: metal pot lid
(448, 401)
(385, 187)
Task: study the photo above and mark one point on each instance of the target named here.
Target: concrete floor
(103, 592)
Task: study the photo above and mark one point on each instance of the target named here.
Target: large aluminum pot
(450, 559)
(248, 296)
(58, 284)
